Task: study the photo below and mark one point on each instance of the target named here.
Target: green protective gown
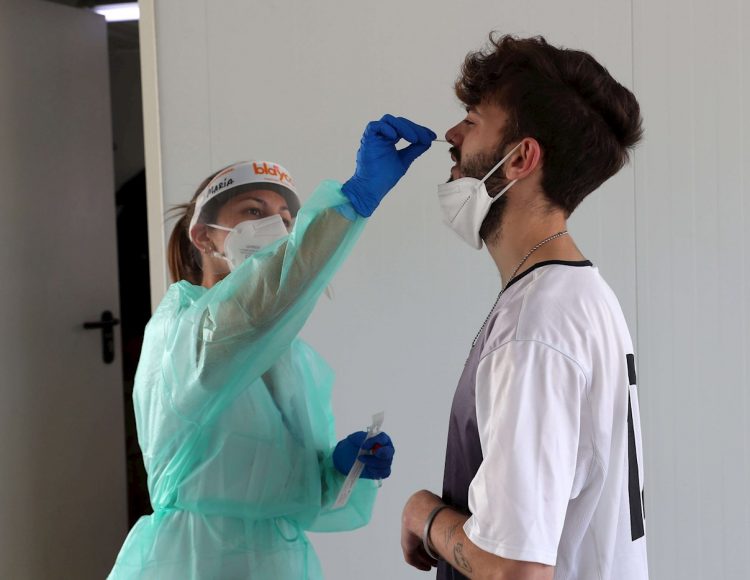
(234, 416)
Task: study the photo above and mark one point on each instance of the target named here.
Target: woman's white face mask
(247, 237)
(465, 203)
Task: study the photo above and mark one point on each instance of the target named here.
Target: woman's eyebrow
(263, 202)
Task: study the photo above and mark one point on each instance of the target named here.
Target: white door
(62, 455)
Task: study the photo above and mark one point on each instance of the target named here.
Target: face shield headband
(248, 174)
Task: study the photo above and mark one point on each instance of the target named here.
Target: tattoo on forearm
(449, 533)
(458, 555)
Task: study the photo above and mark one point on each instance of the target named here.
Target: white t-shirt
(561, 479)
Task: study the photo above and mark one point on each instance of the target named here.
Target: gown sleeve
(319, 378)
(236, 330)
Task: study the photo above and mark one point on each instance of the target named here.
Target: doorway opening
(132, 235)
(132, 229)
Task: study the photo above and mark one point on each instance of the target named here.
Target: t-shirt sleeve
(528, 401)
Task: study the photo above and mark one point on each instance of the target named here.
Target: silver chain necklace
(512, 276)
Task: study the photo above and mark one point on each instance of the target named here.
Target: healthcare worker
(233, 410)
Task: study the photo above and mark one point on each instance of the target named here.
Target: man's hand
(414, 552)
(416, 511)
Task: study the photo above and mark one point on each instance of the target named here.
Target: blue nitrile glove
(379, 164)
(377, 462)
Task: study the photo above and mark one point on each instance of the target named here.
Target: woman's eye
(467, 122)
(253, 211)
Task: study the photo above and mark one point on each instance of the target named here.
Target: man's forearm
(450, 542)
(447, 536)
(448, 539)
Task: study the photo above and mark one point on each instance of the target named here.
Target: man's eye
(467, 122)
(253, 211)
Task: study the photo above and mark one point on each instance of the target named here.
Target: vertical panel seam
(635, 186)
(742, 183)
(209, 115)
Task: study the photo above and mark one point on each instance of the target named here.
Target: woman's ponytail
(183, 257)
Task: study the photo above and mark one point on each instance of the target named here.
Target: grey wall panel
(691, 76)
(296, 82)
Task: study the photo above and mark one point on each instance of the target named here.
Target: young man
(543, 474)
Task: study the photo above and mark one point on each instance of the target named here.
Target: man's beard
(478, 166)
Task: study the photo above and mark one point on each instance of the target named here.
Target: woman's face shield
(243, 209)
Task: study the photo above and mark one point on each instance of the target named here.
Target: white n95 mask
(465, 203)
(248, 237)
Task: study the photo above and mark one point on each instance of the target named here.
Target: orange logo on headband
(273, 170)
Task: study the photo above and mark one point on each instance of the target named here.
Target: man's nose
(453, 136)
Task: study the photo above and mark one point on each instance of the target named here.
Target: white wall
(296, 82)
(691, 76)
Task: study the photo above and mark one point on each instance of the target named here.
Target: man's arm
(449, 541)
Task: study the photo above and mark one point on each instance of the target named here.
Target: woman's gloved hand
(379, 164)
(377, 454)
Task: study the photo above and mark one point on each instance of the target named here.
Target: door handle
(107, 322)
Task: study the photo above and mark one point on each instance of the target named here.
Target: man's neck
(522, 229)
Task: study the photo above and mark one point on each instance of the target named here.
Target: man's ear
(526, 159)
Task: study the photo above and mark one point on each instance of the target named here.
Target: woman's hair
(183, 257)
